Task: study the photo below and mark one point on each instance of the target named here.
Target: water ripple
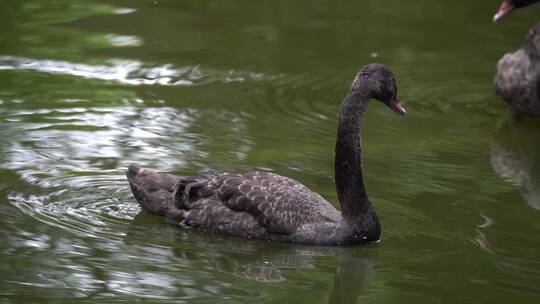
(79, 156)
(131, 72)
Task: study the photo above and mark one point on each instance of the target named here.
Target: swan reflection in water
(515, 156)
(254, 260)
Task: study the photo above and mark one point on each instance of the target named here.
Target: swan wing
(277, 203)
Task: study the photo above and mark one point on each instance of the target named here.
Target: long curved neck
(352, 195)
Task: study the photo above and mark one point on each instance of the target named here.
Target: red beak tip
(505, 9)
(396, 106)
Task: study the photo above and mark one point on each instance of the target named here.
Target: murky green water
(88, 87)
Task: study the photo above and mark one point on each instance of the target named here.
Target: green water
(88, 87)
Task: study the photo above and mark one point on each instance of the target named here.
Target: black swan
(517, 80)
(508, 6)
(267, 206)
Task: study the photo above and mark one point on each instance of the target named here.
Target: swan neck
(351, 191)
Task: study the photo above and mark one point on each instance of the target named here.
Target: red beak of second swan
(505, 9)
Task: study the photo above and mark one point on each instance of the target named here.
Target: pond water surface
(89, 87)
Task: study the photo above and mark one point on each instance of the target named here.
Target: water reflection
(515, 155)
(123, 40)
(83, 147)
(154, 260)
(481, 239)
(130, 72)
(76, 158)
(253, 260)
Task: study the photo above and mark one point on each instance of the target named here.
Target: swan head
(380, 83)
(508, 6)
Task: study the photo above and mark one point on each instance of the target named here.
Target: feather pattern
(517, 80)
(254, 204)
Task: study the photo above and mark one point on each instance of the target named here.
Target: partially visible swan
(517, 80)
(267, 206)
(508, 6)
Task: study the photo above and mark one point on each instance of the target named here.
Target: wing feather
(278, 203)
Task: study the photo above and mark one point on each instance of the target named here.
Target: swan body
(517, 80)
(257, 205)
(268, 206)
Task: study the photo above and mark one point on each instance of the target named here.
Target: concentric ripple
(79, 157)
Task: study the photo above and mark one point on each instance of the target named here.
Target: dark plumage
(508, 6)
(518, 74)
(517, 80)
(267, 206)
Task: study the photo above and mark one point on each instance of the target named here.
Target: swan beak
(505, 9)
(395, 105)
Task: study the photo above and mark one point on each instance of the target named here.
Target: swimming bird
(508, 6)
(517, 80)
(267, 206)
